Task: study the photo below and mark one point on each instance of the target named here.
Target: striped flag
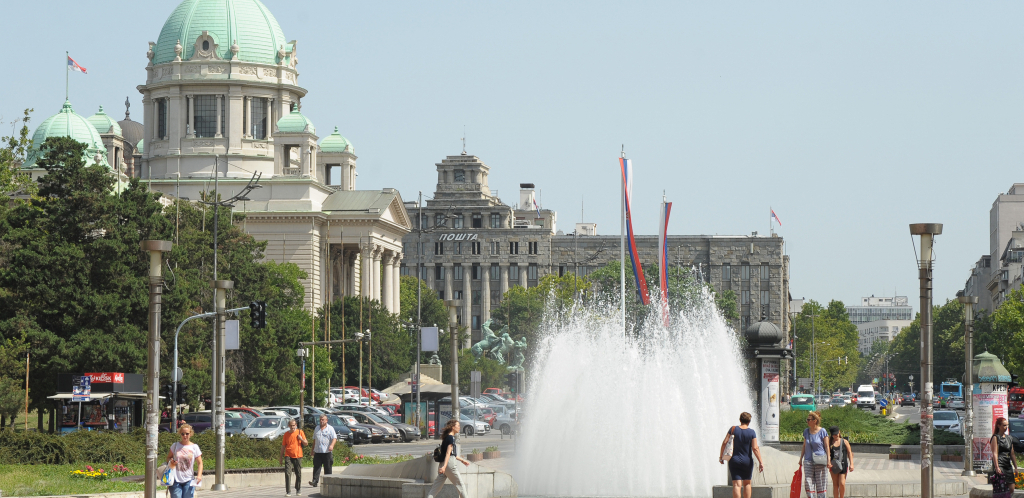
(666, 209)
(634, 255)
(73, 66)
(775, 216)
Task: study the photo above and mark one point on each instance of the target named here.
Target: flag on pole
(634, 255)
(776, 216)
(535, 206)
(666, 209)
(73, 66)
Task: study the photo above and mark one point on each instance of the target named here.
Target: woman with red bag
(815, 457)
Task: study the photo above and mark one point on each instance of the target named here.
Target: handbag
(820, 460)
(164, 477)
(727, 451)
(794, 487)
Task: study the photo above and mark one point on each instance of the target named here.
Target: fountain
(611, 416)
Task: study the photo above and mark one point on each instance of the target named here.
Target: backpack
(438, 454)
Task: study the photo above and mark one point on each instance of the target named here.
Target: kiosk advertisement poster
(770, 399)
(989, 405)
(81, 389)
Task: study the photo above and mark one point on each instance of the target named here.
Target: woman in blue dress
(741, 464)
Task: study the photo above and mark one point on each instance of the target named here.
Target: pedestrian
(186, 463)
(814, 457)
(324, 438)
(741, 464)
(1004, 461)
(291, 449)
(448, 469)
(841, 455)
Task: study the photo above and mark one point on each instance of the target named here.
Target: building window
(476, 272)
(495, 272)
(726, 272)
(495, 296)
(438, 220)
(403, 271)
(457, 221)
(259, 118)
(438, 248)
(531, 272)
(745, 272)
(765, 273)
(495, 247)
(460, 176)
(476, 322)
(765, 297)
(745, 297)
(456, 294)
(476, 297)
(457, 247)
(513, 272)
(423, 273)
(440, 294)
(420, 248)
(438, 272)
(476, 247)
(457, 272)
(426, 221)
(206, 116)
(495, 220)
(161, 119)
(533, 247)
(478, 221)
(513, 248)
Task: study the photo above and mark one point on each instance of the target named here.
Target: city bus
(951, 388)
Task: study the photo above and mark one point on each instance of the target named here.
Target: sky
(850, 120)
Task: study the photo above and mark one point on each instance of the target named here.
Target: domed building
(222, 101)
(133, 131)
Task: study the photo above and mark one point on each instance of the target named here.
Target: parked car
(392, 410)
(472, 427)
(1015, 400)
(365, 393)
(803, 402)
(381, 395)
(340, 428)
(361, 434)
(335, 395)
(907, 400)
(955, 403)
(409, 432)
(847, 398)
(492, 390)
(200, 421)
(1017, 431)
(267, 427)
(245, 409)
(506, 423)
(947, 420)
(390, 432)
(837, 401)
(488, 415)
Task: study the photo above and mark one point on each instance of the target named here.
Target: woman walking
(183, 458)
(448, 469)
(841, 455)
(1004, 461)
(741, 465)
(815, 458)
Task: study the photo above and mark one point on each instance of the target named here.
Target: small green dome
(138, 146)
(104, 123)
(295, 122)
(248, 23)
(68, 124)
(336, 143)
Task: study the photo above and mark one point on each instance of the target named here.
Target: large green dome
(67, 123)
(246, 22)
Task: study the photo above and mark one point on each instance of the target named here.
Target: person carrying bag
(815, 457)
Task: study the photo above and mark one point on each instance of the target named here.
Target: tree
(13, 150)
(835, 341)
(392, 344)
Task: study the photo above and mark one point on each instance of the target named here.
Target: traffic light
(182, 394)
(167, 392)
(258, 314)
(512, 380)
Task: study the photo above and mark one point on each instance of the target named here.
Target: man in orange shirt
(291, 449)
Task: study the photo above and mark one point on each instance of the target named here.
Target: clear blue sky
(852, 120)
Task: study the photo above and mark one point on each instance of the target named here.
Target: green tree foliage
(432, 308)
(492, 373)
(392, 344)
(836, 340)
(13, 150)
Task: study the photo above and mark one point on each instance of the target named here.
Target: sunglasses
(186, 433)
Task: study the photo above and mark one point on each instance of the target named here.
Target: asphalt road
(466, 443)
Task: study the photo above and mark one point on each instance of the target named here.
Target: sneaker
(312, 484)
(298, 493)
(287, 494)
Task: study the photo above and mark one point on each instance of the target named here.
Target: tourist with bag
(841, 455)
(1004, 461)
(447, 470)
(737, 447)
(186, 463)
(815, 457)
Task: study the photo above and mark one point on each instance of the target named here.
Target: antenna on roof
(463, 139)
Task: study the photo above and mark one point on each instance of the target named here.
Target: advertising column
(770, 399)
(989, 404)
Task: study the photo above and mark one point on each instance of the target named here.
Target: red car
(366, 393)
(1016, 399)
(493, 390)
(392, 409)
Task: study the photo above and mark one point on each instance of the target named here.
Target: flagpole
(66, 57)
(622, 242)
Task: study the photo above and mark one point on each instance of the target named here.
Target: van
(866, 396)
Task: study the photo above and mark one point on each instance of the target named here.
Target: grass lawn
(42, 480)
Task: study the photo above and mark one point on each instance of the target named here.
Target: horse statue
(516, 362)
(505, 346)
(488, 342)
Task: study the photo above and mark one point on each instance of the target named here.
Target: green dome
(68, 124)
(138, 146)
(336, 143)
(246, 22)
(295, 122)
(104, 123)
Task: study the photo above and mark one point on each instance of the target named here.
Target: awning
(96, 396)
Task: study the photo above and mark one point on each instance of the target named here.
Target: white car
(473, 427)
(847, 399)
(955, 403)
(947, 420)
(350, 394)
(383, 395)
(267, 427)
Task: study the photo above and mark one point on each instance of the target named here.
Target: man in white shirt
(324, 439)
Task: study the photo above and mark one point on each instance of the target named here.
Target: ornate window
(495, 220)
(161, 118)
(206, 116)
(259, 118)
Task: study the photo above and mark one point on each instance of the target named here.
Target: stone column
(377, 253)
(191, 116)
(387, 293)
(467, 307)
(485, 295)
(235, 116)
(174, 122)
(248, 117)
(350, 272)
(504, 279)
(396, 283)
(522, 276)
(305, 160)
(366, 282)
(448, 294)
(219, 99)
(270, 117)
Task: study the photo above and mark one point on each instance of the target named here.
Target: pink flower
(100, 471)
(88, 467)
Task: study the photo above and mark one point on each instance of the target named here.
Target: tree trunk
(39, 419)
(3, 421)
(53, 419)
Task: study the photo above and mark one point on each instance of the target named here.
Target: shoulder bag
(727, 451)
(821, 460)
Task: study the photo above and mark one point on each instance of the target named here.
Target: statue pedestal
(426, 370)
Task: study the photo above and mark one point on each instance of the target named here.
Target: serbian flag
(535, 206)
(666, 209)
(634, 255)
(775, 216)
(73, 66)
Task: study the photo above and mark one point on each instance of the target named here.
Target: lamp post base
(968, 473)
(219, 487)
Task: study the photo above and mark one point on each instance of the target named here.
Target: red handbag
(794, 487)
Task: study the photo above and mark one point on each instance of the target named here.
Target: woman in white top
(183, 458)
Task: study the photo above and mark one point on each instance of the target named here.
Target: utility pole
(419, 306)
(155, 248)
(969, 302)
(927, 231)
(220, 292)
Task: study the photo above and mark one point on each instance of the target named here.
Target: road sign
(804, 383)
(230, 335)
(429, 339)
(177, 375)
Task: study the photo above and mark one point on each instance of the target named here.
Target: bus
(951, 388)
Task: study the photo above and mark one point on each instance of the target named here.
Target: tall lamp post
(155, 248)
(927, 232)
(969, 302)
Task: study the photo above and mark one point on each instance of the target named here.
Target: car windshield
(946, 416)
(334, 420)
(390, 420)
(375, 418)
(266, 423)
(234, 423)
(802, 400)
(865, 394)
(1017, 426)
(838, 400)
(348, 419)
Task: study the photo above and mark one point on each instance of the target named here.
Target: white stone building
(878, 330)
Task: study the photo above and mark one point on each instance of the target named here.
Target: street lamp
(927, 232)
(969, 302)
(155, 248)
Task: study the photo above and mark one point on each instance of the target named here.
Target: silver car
(837, 401)
(948, 420)
(955, 403)
(267, 427)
